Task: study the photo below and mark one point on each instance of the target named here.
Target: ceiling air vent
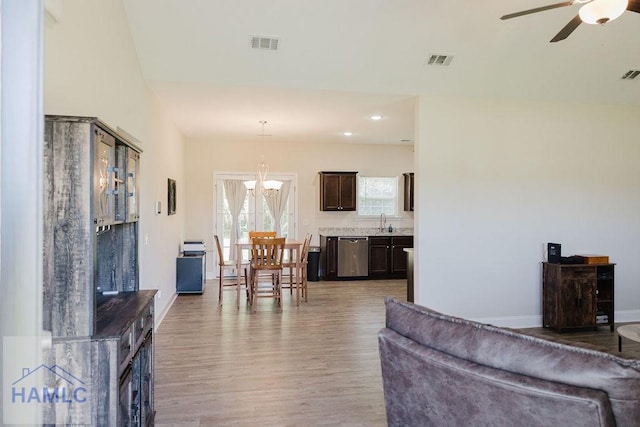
(438, 59)
(631, 74)
(264, 42)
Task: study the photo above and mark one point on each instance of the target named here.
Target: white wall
(498, 179)
(205, 158)
(91, 69)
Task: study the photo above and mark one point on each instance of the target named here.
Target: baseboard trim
(536, 321)
(160, 318)
(627, 316)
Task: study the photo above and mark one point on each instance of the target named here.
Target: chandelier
(269, 187)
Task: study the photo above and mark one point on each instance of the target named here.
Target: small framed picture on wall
(171, 197)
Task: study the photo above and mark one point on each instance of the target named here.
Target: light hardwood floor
(313, 365)
(316, 364)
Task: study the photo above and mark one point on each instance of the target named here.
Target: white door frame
(218, 203)
(21, 204)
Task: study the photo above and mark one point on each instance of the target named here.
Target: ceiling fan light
(602, 11)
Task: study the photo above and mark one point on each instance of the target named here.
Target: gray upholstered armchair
(440, 370)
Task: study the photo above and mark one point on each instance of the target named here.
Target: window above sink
(377, 195)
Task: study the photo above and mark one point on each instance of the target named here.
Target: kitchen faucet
(383, 221)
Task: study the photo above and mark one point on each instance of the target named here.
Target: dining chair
(253, 234)
(229, 264)
(297, 278)
(266, 257)
(304, 260)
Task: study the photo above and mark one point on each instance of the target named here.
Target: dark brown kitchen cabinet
(328, 258)
(399, 264)
(577, 296)
(408, 191)
(338, 191)
(379, 256)
(387, 258)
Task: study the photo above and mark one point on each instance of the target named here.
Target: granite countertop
(363, 231)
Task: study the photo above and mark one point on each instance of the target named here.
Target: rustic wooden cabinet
(577, 295)
(408, 191)
(104, 166)
(132, 185)
(101, 323)
(605, 295)
(338, 191)
(125, 336)
(387, 258)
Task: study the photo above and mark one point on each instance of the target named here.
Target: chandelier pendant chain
(263, 168)
(269, 188)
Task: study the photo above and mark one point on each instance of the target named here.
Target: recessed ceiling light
(375, 117)
(347, 133)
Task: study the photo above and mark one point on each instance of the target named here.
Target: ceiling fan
(591, 12)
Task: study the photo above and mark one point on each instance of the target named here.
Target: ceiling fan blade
(537, 9)
(568, 29)
(634, 6)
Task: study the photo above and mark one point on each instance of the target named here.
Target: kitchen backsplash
(364, 231)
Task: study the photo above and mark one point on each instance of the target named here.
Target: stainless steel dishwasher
(353, 256)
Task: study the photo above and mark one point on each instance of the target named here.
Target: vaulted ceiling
(340, 61)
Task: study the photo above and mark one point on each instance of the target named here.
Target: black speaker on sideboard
(554, 255)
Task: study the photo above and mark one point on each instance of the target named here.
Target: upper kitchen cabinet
(408, 191)
(338, 191)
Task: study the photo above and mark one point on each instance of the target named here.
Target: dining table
(292, 250)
